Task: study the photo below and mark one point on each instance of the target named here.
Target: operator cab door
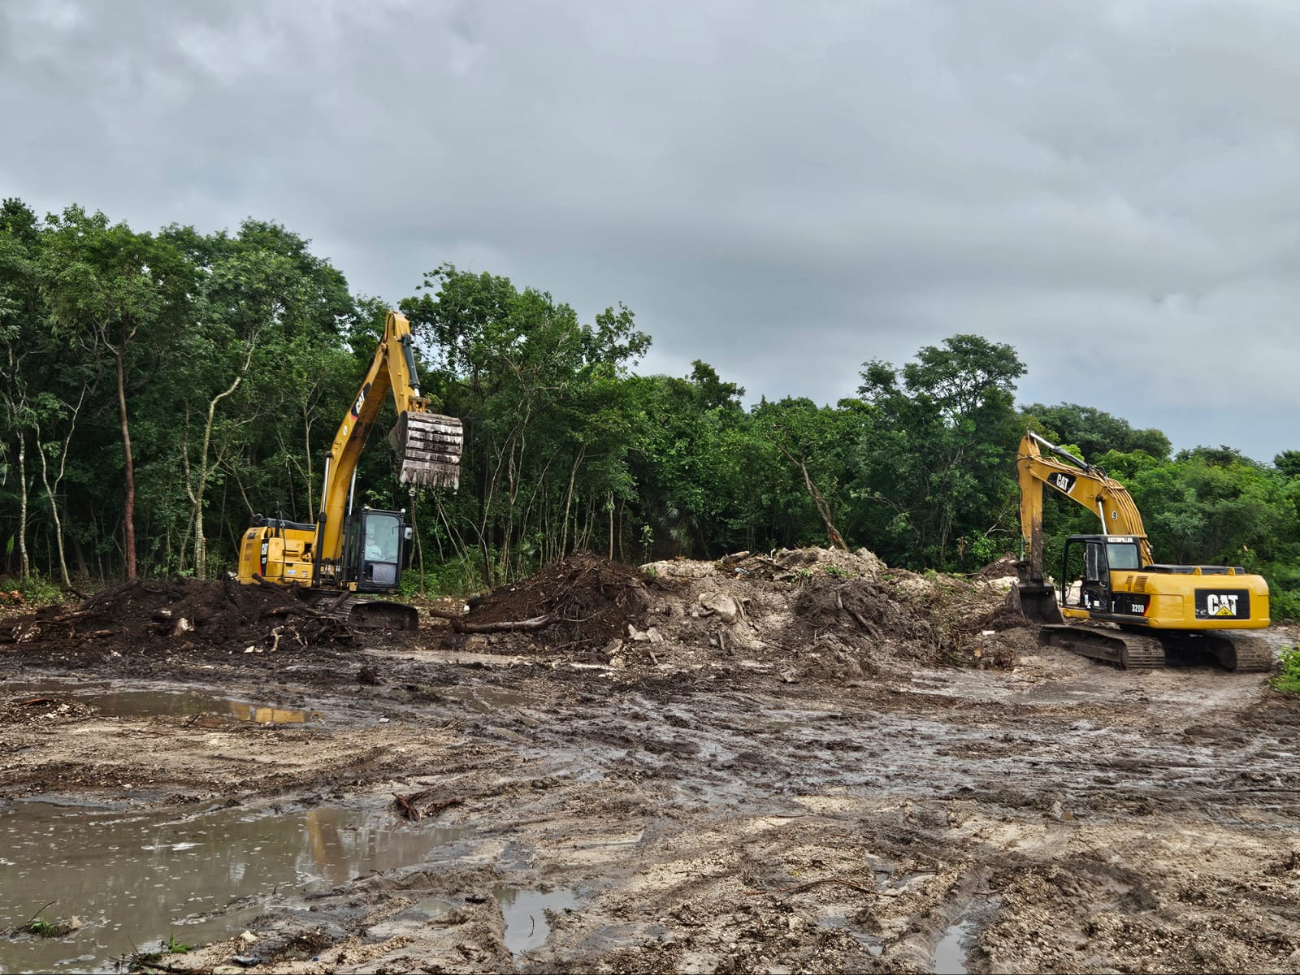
(376, 550)
(1093, 592)
(1096, 578)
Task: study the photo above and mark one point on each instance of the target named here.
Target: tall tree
(942, 444)
(106, 284)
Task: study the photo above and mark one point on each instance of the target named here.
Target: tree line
(162, 387)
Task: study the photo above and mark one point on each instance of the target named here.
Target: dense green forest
(161, 387)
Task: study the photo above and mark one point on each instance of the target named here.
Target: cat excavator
(1127, 608)
(349, 551)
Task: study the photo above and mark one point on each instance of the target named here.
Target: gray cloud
(782, 190)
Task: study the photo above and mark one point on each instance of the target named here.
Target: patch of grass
(42, 927)
(1288, 681)
(838, 573)
(169, 947)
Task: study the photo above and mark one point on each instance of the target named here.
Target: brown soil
(151, 616)
(588, 601)
(814, 763)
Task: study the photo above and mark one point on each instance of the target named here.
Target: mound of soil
(779, 566)
(585, 600)
(150, 614)
(873, 608)
(1001, 568)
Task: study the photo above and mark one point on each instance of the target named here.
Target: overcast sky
(781, 189)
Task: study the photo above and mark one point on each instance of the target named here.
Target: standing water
(135, 879)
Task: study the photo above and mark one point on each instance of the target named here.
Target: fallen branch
(408, 805)
(510, 626)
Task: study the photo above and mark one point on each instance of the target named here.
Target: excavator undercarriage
(1131, 649)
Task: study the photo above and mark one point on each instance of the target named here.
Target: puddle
(135, 878)
(950, 952)
(139, 704)
(488, 700)
(526, 926)
(870, 942)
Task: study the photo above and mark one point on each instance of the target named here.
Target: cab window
(1122, 555)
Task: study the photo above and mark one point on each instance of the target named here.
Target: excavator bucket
(1037, 603)
(428, 449)
(377, 614)
(1035, 600)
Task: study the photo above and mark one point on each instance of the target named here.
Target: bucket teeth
(428, 449)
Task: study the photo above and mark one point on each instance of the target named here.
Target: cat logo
(1230, 604)
(361, 399)
(1061, 481)
(1217, 605)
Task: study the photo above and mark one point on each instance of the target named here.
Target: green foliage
(942, 444)
(36, 589)
(1288, 680)
(42, 927)
(1094, 432)
(240, 353)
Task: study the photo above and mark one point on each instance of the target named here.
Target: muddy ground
(795, 763)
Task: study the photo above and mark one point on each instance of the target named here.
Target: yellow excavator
(349, 551)
(1127, 608)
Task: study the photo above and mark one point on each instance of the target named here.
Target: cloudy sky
(781, 189)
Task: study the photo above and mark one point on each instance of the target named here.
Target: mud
(783, 769)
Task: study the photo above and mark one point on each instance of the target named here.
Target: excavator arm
(428, 445)
(1083, 483)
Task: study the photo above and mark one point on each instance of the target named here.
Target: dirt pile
(145, 615)
(783, 565)
(815, 613)
(578, 603)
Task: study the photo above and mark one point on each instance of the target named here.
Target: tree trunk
(25, 565)
(823, 509)
(128, 513)
(54, 508)
(419, 543)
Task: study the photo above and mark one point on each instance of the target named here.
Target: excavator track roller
(428, 449)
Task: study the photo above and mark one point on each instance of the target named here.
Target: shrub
(1288, 681)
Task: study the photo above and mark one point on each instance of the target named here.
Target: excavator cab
(374, 548)
(1090, 559)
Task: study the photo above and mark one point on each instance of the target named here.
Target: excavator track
(368, 614)
(1130, 651)
(1241, 653)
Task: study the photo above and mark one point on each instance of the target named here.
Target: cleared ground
(738, 804)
